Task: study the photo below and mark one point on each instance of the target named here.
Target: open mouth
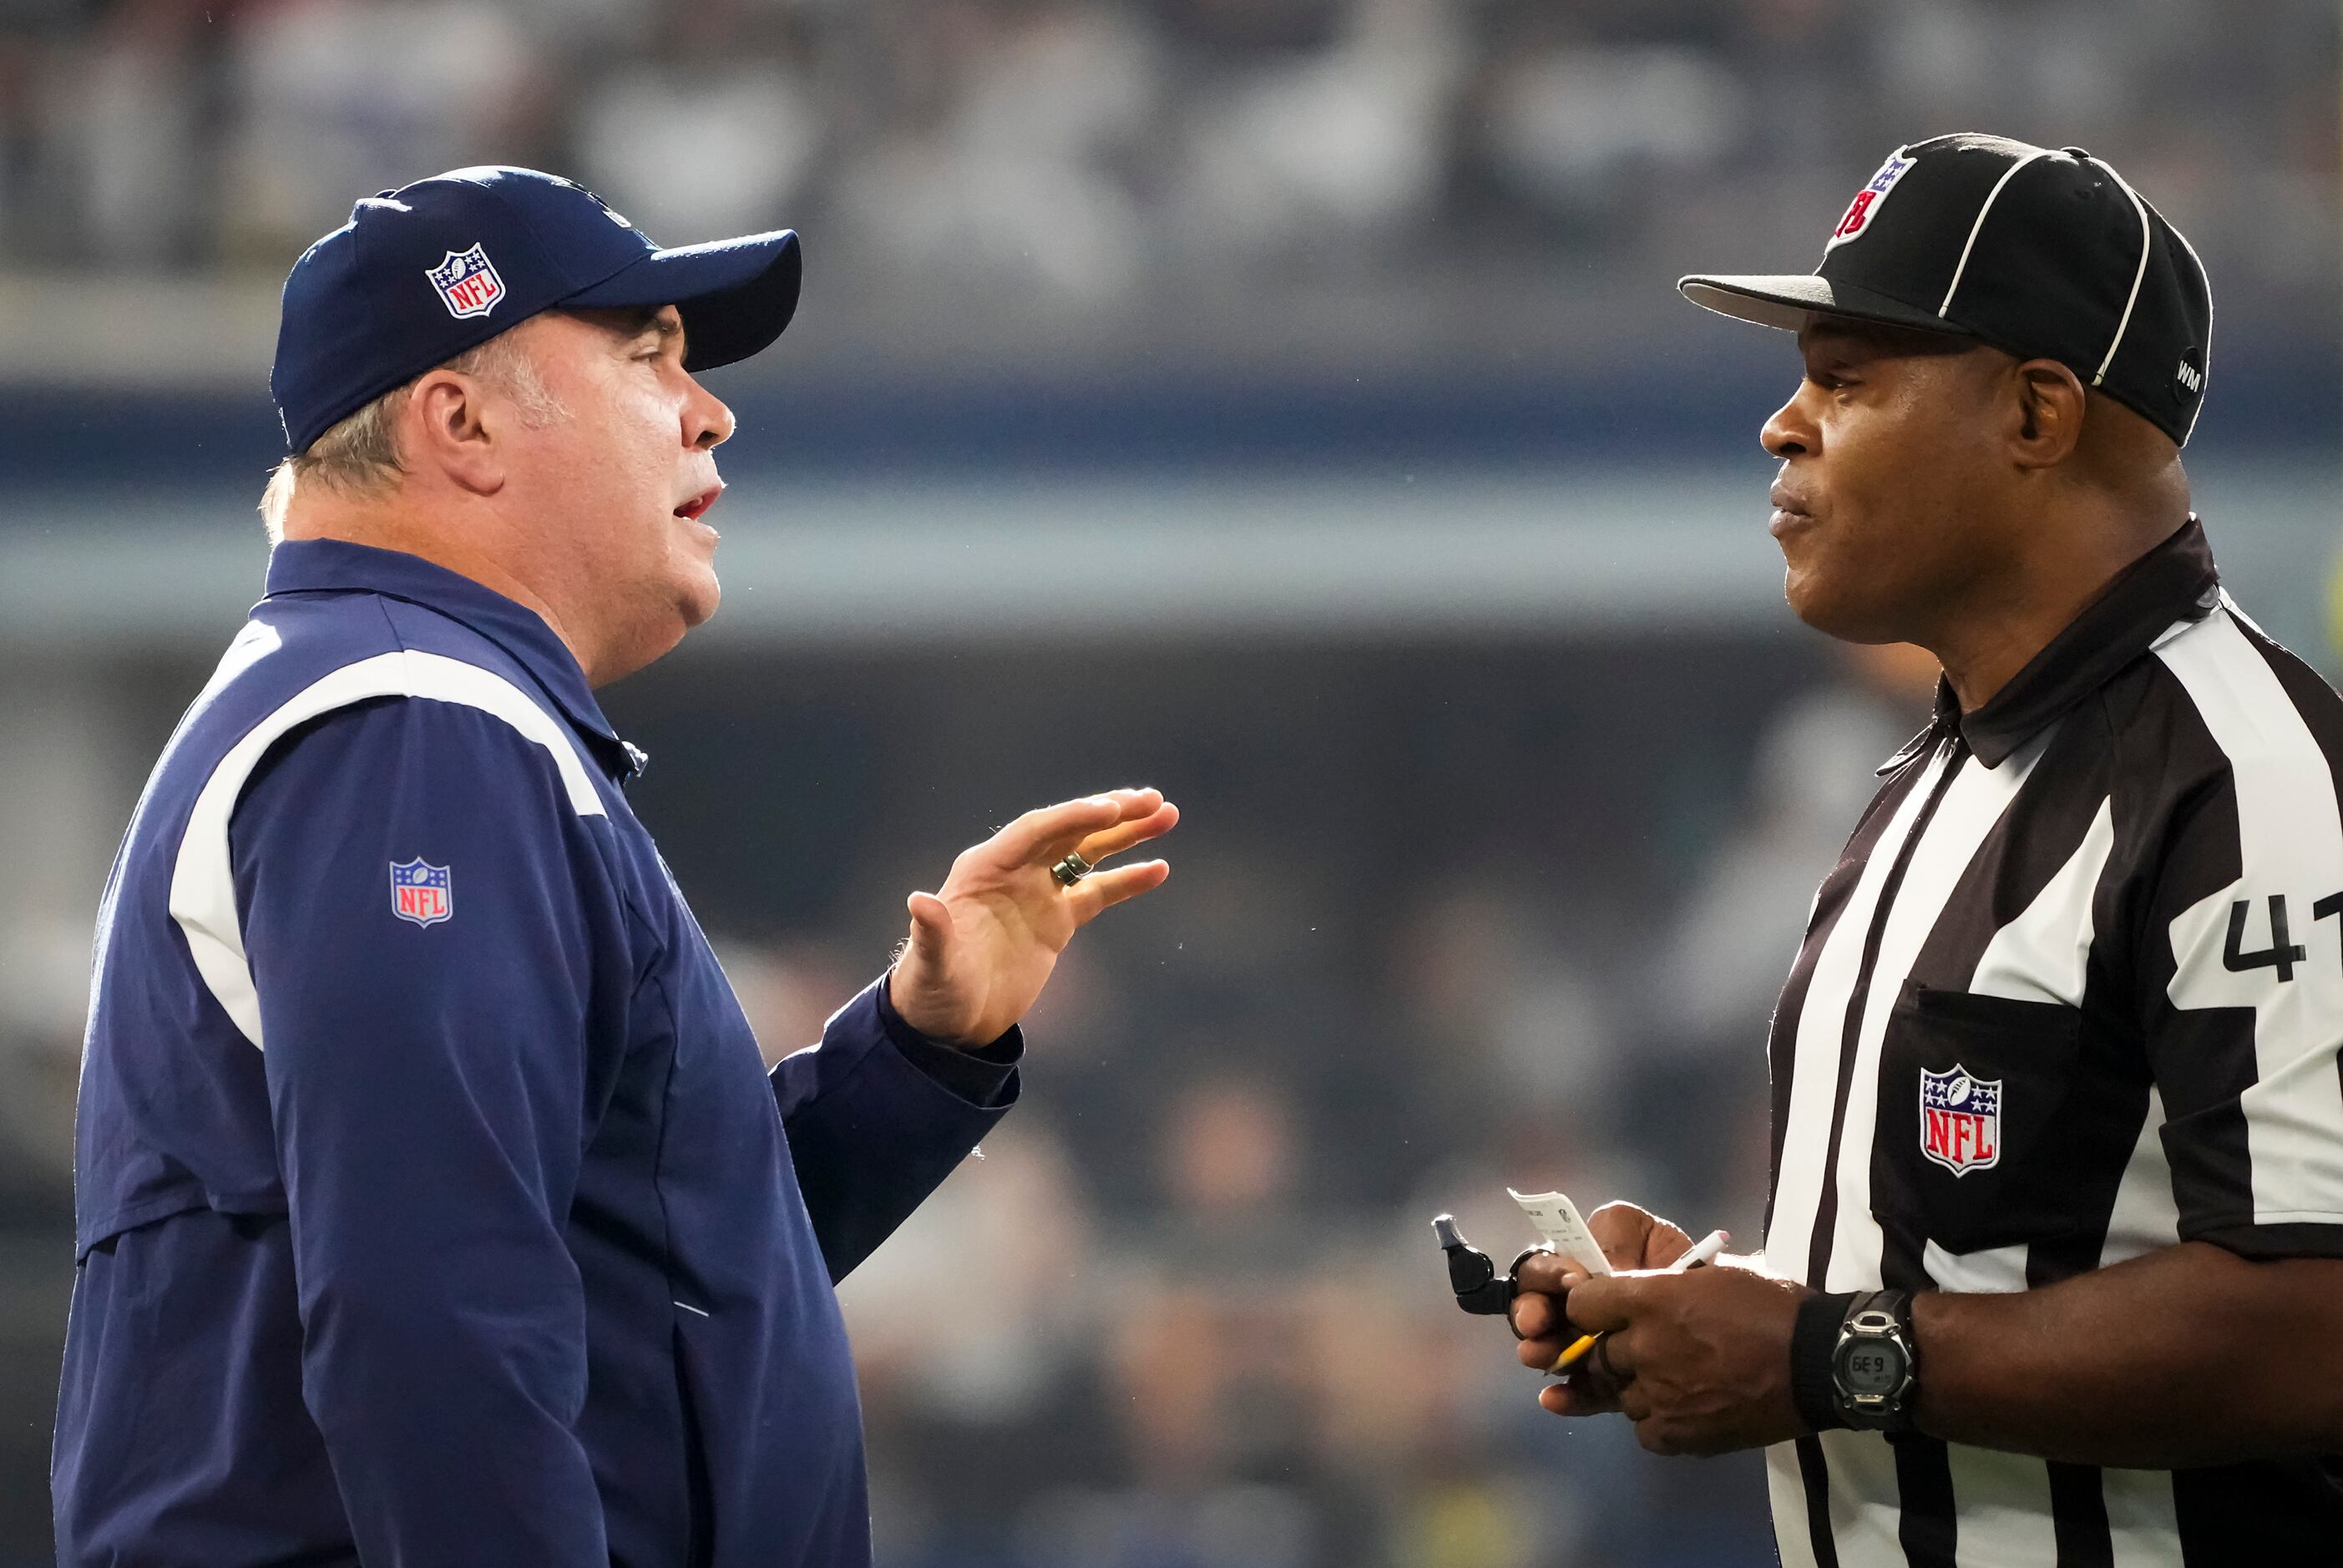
(699, 504)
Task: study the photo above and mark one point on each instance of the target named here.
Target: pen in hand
(1704, 1250)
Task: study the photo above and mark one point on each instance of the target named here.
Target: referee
(435, 1206)
(2053, 1269)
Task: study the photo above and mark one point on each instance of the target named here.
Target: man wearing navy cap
(434, 1205)
(2052, 1265)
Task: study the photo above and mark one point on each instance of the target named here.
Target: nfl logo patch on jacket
(420, 892)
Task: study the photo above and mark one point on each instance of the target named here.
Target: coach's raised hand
(982, 945)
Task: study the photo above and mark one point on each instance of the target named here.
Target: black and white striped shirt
(2074, 992)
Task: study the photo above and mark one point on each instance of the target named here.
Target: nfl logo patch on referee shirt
(468, 285)
(1868, 201)
(1960, 1120)
(420, 892)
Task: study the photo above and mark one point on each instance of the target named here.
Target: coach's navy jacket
(435, 1206)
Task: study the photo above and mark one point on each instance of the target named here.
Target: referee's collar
(2176, 581)
(336, 565)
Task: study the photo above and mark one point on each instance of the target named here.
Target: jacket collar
(2176, 581)
(335, 566)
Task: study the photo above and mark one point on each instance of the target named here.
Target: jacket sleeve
(427, 1071)
(878, 1115)
(2242, 1007)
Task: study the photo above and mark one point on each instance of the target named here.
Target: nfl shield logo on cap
(420, 893)
(467, 284)
(1960, 1120)
(1866, 202)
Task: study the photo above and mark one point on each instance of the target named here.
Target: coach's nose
(708, 421)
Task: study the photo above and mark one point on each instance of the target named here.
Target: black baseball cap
(2042, 254)
(422, 273)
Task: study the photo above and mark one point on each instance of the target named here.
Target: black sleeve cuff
(2269, 1244)
(1812, 1344)
(982, 1076)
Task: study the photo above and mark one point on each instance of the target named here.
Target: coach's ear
(2046, 413)
(446, 431)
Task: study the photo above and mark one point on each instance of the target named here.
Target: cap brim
(735, 294)
(1788, 302)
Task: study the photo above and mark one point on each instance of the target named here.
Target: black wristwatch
(1853, 1361)
(1875, 1366)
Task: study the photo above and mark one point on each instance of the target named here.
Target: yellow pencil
(1569, 1358)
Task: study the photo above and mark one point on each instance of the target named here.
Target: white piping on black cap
(1977, 227)
(2146, 244)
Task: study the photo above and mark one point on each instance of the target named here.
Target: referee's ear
(2045, 414)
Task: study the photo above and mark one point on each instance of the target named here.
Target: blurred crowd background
(1280, 401)
(1113, 158)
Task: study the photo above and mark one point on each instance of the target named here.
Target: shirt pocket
(1976, 1097)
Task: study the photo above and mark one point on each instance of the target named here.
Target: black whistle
(1471, 1275)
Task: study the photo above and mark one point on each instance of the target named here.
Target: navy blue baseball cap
(420, 274)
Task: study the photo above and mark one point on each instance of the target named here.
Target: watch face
(1871, 1368)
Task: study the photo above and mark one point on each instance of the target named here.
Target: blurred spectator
(136, 120)
(1114, 157)
(44, 992)
(710, 130)
(1720, 971)
(975, 1332)
(1506, 1029)
(721, 151)
(1329, 152)
(1007, 172)
(66, 784)
(1585, 132)
(789, 989)
(1242, 28)
(1007, 1245)
(1813, 774)
(1209, 1334)
(336, 99)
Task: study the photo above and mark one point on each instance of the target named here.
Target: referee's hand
(1700, 1361)
(982, 945)
(1631, 1239)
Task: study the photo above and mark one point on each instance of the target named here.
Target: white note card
(1557, 1220)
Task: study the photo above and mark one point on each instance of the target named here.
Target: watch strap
(1814, 1341)
(1896, 1307)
